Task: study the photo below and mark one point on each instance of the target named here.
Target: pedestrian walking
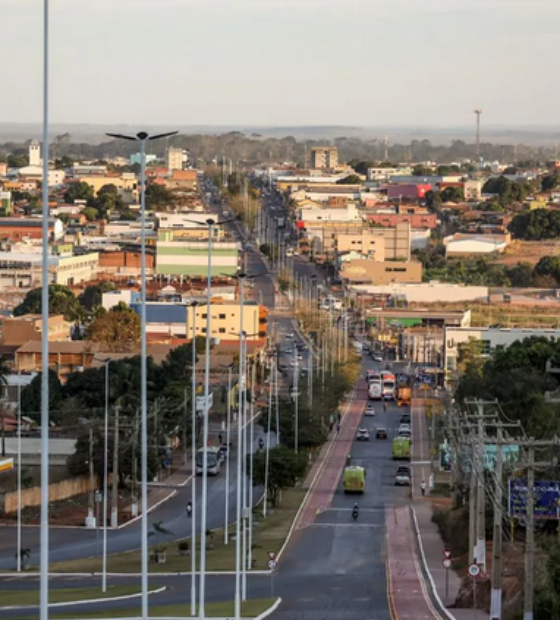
(423, 488)
(220, 438)
(338, 428)
(339, 417)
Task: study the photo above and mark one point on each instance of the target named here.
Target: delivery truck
(404, 395)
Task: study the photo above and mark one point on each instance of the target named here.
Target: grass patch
(249, 609)
(63, 595)
(268, 535)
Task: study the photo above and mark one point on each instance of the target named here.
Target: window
(203, 330)
(486, 347)
(204, 316)
(222, 330)
(221, 316)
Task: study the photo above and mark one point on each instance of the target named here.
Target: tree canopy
(536, 225)
(351, 179)
(508, 191)
(117, 330)
(61, 301)
(78, 191)
(285, 469)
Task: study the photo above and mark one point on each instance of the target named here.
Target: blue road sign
(547, 498)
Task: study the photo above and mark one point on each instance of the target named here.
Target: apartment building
(324, 157)
(16, 228)
(396, 241)
(177, 158)
(225, 320)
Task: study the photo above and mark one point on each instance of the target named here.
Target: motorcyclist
(384, 405)
(355, 511)
(261, 443)
(348, 459)
(189, 508)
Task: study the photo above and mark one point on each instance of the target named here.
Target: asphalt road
(75, 543)
(335, 568)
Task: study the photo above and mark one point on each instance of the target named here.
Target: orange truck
(404, 395)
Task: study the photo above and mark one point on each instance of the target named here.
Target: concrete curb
(433, 588)
(35, 575)
(85, 602)
(270, 610)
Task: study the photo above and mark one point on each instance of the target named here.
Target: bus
(354, 480)
(373, 376)
(389, 383)
(401, 448)
(212, 461)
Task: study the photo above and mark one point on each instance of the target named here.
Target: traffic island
(30, 598)
(269, 535)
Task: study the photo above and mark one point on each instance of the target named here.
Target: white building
(23, 271)
(491, 339)
(34, 154)
(349, 213)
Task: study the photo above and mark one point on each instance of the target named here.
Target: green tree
(420, 170)
(550, 182)
(61, 301)
(64, 162)
(452, 194)
(118, 331)
(433, 200)
(536, 225)
(90, 213)
(17, 161)
(286, 468)
(548, 266)
(31, 395)
(78, 191)
(159, 198)
(351, 179)
(92, 296)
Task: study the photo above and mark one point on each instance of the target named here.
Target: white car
(370, 411)
(404, 428)
(362, 434)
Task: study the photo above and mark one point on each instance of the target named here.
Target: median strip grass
(249, 609)
(268, 535)
(20, 598)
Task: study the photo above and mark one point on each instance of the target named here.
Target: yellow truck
(354, 479)
(404, 395)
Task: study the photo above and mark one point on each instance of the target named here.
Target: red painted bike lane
(408, 597)
(329, 466)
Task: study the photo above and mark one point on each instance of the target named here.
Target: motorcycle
(189, 509)
(355, 513)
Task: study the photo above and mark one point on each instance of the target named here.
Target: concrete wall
(32, 497)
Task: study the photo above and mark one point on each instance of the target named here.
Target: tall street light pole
(19, 480)
(194, 304)
(105, 477)
(240, 419)
(44, 546)
(228, 425)
(204, 499)
(478, 113)
(143, 137)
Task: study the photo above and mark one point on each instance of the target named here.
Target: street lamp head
(121, 136)
(241, 275)
(141, 135)
(210, 222)
(194, 303)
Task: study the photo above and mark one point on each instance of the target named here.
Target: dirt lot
(528, 252)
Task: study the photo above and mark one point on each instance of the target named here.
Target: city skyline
(300, 62)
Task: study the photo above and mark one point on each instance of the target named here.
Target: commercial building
(490, 338)
(428, 292)
(64, 357)
(461, 244)
(396, 242)
(182, 179)
(22, 271)
(190, 258)
(372, 272)
(324, 157)
(226, 320)
(20, 330)
(29, 227)
(410, 191)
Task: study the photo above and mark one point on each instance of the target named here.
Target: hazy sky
(283, 62)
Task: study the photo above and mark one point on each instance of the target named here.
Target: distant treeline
(251, 149)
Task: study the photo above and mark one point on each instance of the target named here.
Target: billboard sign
(547, 499)
(510, 457)
(201, 402)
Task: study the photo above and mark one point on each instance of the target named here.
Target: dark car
(381, 433)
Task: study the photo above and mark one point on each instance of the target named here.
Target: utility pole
(496, 592)
(528, 602)
(115, 501)
(91, 519)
